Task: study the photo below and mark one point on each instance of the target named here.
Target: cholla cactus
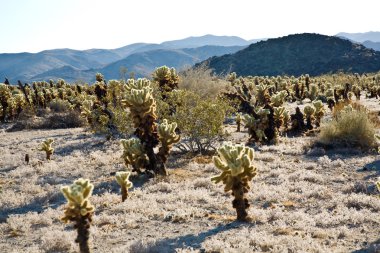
(257, 126)
(319, 112)
(79, 210)
(46, 146)
(236, 164)
(166, 78)
(279, 98)
(139, 99)
(167, 137)
(309, 114)
(238, 121)
(279, 116)
(122, 178)
(134, 153)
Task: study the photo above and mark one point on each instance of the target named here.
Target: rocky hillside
(298, 54)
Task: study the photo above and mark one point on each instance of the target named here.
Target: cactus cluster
(236, 164)
(79, 210)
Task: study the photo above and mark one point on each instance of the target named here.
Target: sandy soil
(304, 199)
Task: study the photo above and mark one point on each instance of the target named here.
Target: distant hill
(298, 54)
(371, 44)
(207, 40)
(142, 63)
(361, 37)
(77, 64)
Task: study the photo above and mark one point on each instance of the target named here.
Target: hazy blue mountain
(31, 66)
(361, 37)
(371, 44)
(298, 54)
(205, 40)
(142, 63)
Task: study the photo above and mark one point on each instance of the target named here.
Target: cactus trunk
(124, 193)
(83, 228)
(240, 203)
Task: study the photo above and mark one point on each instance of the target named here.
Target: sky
(36, 25)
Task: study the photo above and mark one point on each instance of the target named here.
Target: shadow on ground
(193, 241)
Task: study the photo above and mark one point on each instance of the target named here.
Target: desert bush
(349, 127)
(59, 105)
(200, 120)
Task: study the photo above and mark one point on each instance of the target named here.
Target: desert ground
(305, 198)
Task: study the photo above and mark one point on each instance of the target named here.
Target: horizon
(35, 26)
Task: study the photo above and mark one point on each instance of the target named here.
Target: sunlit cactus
(79, 210)
(279, 98)
(122, 178)
(279, 116)
(166, 78)
(5, 94)
(236, 164)
(309, 114)
(139, 99)
(99, 77)
(46, 146)
(134, 153)
(319, 112)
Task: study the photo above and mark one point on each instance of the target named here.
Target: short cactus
(319, 112)
(309, 114)
(79, 210)
(236, 164)
(122, 178)
(46, 146)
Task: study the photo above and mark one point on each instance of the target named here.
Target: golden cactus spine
(79, 210)
(236, 164)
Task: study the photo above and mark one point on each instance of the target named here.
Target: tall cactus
(236, 164)
(139, 99)
(79, 210)
(46, 146)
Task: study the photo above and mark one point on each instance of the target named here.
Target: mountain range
(140, 58)
(294, 54)
(368, 39)
(298, 54)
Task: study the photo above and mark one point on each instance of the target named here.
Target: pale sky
(35, 25)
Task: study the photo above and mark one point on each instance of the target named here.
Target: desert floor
(304, 199)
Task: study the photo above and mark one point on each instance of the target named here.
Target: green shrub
(200, 120)
(349, 128)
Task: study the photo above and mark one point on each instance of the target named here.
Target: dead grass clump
(69, 119)
(349, 128)
(201, 81)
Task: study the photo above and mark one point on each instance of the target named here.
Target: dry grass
(201, 81)
(350, 128)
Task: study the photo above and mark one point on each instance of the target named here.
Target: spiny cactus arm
(122, 178)
(167, 134)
